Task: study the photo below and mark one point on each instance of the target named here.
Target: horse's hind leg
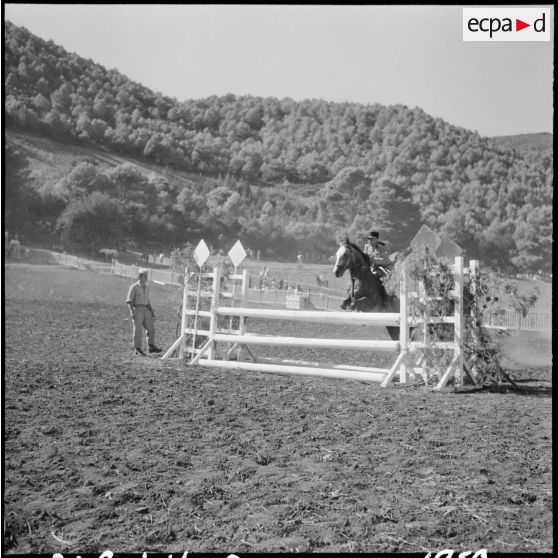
(363, 304)
(393, 332)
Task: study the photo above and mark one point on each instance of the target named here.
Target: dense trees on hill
(282, 175)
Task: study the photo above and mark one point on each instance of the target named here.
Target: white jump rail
(316, 316)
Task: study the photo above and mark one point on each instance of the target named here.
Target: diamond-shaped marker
(237, 254)
(201, 253)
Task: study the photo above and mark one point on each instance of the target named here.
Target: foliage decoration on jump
(428, 268)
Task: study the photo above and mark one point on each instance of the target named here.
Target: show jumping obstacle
(408, 361)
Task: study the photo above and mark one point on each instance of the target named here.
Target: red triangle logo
(519, 25)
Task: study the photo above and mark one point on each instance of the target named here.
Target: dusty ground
(104, 450)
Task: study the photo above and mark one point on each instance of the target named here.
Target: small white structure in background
(293, 301)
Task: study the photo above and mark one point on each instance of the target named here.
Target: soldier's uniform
(375, 249)
(142, 314)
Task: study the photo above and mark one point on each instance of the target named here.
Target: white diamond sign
(201, 253)
(237, 254)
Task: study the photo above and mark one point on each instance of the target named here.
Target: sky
(388, 54)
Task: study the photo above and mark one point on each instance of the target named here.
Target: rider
(374, 247)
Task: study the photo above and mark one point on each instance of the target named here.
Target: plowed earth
(106, 450)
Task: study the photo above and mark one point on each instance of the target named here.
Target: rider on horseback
(374, 247)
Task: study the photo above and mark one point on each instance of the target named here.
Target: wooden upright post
(179, 343)
(458, 313)
(403, 325)
(242, 319)
(184, 312)
(455, 369)
(214, 305)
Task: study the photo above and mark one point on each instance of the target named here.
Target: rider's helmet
(375, 235)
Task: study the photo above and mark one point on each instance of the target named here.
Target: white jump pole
(404, 326)
(180, 341)
(458, 325)
(184, 313)
(213, 319)
(317, 316)
(400, 365)
(455, 368)
(242, 319)
(357, 344)
(290, 369)
(197, 311)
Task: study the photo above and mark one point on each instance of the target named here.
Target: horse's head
(342, 259)
(348, 256)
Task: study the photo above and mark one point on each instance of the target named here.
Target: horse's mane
(366, 257)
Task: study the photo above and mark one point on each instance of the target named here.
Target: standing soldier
(142, 314)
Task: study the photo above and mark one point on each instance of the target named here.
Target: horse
(367, 292)
(109, 253)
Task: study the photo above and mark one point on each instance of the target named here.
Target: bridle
(354, 264)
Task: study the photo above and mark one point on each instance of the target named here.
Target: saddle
(380, 271)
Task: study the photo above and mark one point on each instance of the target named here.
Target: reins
(354, 262)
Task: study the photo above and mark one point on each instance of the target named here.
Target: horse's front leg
(349, 301)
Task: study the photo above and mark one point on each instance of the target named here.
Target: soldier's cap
(142, 271)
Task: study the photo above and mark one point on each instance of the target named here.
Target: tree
(311, 169)
(41, 103)
(93, 221)
(85, 178)
(61, 99)
(225, 205)
(57, 123)
(131, 184)
(533, 239)
(84, 128)
(20, 197)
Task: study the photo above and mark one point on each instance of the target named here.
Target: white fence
(68, 260)
(533, 321)
(162, 276)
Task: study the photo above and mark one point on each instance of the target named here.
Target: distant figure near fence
(15, 248)
(321, 281)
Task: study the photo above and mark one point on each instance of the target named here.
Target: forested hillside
(281, 175)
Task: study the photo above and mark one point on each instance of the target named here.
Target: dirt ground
(106, 450)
